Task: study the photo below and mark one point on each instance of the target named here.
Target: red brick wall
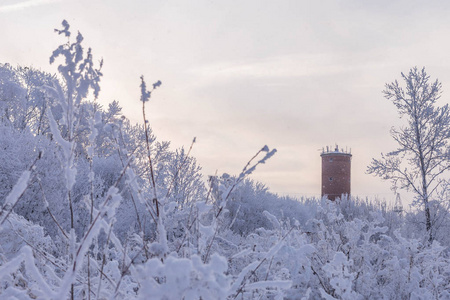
(336, 178)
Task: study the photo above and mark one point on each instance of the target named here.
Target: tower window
(331, 178)
(331, 159)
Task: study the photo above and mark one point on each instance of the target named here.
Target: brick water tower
(336, 167)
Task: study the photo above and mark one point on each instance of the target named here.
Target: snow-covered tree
(422, 159)
(184, 179)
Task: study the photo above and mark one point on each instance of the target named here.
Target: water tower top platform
(326, 151)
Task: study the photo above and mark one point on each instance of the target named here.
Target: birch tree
(422, 159)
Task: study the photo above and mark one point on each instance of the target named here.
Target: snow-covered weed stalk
(132, 186)
(158, 248)
(17, 192)
(247, 170)
(94, 120)
(80, 77)
(145, 97)
(241, 282)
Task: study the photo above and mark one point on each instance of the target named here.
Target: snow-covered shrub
(183, 278)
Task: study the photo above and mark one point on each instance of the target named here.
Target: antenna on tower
(398, 207)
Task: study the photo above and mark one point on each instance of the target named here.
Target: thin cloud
(284, 66)
(25, 4)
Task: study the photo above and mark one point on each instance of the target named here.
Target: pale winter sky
(295, 75)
